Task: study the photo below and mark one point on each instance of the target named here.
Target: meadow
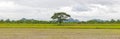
(55, 31)
(63, 26)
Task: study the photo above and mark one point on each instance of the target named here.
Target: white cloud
(44, 9)
(4, 4)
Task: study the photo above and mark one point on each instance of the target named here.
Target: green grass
(64, 26)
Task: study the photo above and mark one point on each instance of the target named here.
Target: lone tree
(60, 16)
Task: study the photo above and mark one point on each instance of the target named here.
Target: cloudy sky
(44, 9)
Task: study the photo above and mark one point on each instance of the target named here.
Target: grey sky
(43, 9)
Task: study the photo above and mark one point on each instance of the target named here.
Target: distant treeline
(24, 20)
(33, 21)
(94, 21)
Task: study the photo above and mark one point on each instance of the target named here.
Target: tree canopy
(60, 16)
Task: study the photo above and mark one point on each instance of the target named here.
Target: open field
(35, 33)
(54, 31)
(64, 26)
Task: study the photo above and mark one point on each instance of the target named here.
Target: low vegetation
(33, 21)
(64, 26)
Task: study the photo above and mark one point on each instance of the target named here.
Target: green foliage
(112, 21)
(24, 21)
(33, 21)
(60, 16)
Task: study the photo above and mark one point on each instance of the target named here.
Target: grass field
(54, 31)
(64, 26)
(33, 33)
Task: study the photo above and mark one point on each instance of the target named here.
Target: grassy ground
(64, 26)
(33, 33)
(54, 31)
